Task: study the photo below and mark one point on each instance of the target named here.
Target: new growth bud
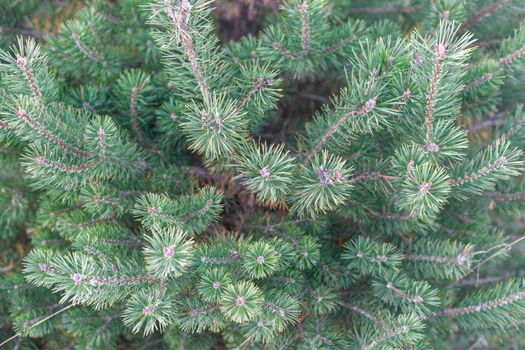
(77, 278)
(265, 172)
(240, 300)
(432, 147)
(148, 309)
(327, 177)
(168, 252)
(21, 61)
(425, 187)
(370, 104)
(441, 50)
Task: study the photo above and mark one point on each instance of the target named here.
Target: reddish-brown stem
(403, 295)
(23, 115)
(115, 281)
(512, 57)
(365, 313)
(23, 65)
(372, 176)
(386, 9)
(502, 161)
(86, 50)
(305, 32)
(179, 17)
(431, 98)
(259, 85)
(390, 334)
(382, 215)
(478, 82)
(505, 197)
(487, 305)
(364, 109)
(339, 45)
(40, 160)
(133, 116)
(483, 13)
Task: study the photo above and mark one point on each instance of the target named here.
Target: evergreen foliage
(345, 175)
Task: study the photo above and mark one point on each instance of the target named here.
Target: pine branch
(94, 222)
(133, 115)
(478, 82)
(40, 129)
(441, 51)
(112, 281)
(259, 85)
(506, 197)
(102, 142)
(286, 53)
(180, 17)
(403, 295)
(511, 57)
(365, 108)
(499, 163)
(32, 32)
(484, 13)
(484, 306)
(496, 120)
(386, 9)
(459, 260)
(66, 168)
(339, 45)
(94, 31)
(373, 176)
(199, 212)
(234, 256)
(305, 38)
(385, 336)
(87, 51)
(379, 322)
(382, 215)
(40, 321)
(37, 94)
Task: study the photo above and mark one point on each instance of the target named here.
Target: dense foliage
(319, 175)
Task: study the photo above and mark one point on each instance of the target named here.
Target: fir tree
(140, 160)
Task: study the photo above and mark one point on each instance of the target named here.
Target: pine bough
(369, 227)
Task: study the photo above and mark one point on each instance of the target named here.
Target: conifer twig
(364, 109)
(487, 305)
(390, 334)
(478, 82)
(133, 116)
(484, 13)
(305, 32)
(339, 45)
(371, 176)
(19, 334)
(459, 260)
(502, 161)
(512, 57)
(440, 51)
(66, 168)
(403, 295)
(382, 215)
(87, 51)
(386, 9)
(180, 17)
(259, 85)
(40, 129)
(365, 313)
(22, 63)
